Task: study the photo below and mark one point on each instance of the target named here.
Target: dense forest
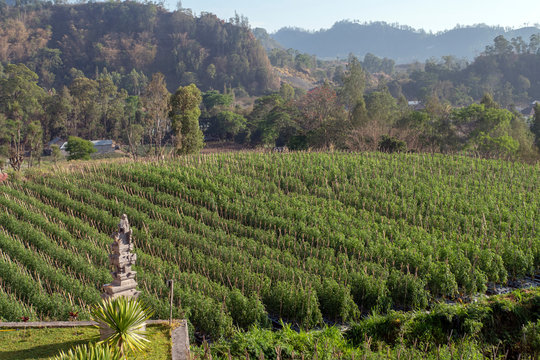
(350, 115)
(399, 42)
(509, 70)
(113, 71)
(131, 40)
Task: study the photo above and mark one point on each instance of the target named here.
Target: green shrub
(441, 280)
(370, 293)
(392, 144)
(246, 311)
(335, 301)
(376, 327)
(407, 291)
(90, 352)
(79, 149)
(531, 337)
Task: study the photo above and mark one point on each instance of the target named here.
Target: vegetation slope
(133, 40)
(301, 236)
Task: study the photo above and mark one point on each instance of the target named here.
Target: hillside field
(249, 237)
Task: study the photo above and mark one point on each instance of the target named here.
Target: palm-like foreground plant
(125, 318)
(90, 352)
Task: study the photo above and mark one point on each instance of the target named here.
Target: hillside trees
(273, 122)
(374, 116)
(493, 131)
(227, 124)
(131, 36)
(111, 103)
(20, 40)
(374, 64)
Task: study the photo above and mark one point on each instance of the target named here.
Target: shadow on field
(41, 351)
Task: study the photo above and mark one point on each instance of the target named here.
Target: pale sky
(316, 14)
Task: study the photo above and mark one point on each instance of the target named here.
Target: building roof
(94, 142)
(529, 110)
(102, 142)
(56, 141)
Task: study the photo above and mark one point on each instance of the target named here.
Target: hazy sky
(316, 14)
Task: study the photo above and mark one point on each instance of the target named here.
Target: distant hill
(401, 43)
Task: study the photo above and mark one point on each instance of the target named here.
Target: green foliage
(374, 64)
(90, 352)
(184, 116)
(535, 128)
(20, 94)
(503, 145)
(352, 92)
(501, 322)
(336, 301)
(125, 318)
(286, 91)
(407, 291)
(246, 311)
(391, 144)
(327, 343)
(381, 107)
(79, 149)
(227, 125)
(531, 337)
(294, 304)
(488, 102)
(370, 293)
(441, 280)
(213, 98)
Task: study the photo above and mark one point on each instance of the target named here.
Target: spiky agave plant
(125, 318)
(90, 352)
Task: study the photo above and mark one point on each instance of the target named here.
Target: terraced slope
(299, 236)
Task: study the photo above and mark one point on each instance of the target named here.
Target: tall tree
(352, 92)
(12, 138)
(59, 114)
(20, 103)
(322, 116)
(134, 131)
(20, 95)
(535, 128)
(34, 141)
(488, 102)
(86, 112)
(156, 106)
(185, 112)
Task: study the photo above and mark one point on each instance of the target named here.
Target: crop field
(305, 237)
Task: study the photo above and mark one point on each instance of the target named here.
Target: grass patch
(44, 343)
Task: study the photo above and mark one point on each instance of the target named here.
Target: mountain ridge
(404, 44)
